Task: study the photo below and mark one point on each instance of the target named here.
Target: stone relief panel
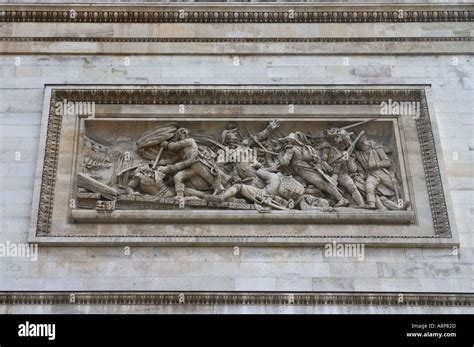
(320, 165)
(185, 165)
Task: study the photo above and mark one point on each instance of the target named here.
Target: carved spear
(323, 133)
(359, 123)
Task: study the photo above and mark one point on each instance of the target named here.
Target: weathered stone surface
(225, 268)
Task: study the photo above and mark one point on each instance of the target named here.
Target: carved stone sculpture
(172, 167)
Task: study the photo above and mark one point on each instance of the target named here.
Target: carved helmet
(334, 132)
(182, 131)
(226, 133)
(364, 141)
(292, 138)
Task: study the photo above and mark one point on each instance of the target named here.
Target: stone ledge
(341, 216)
(219, 240)
(386, 48)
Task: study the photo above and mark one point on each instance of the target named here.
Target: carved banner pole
(158, 157)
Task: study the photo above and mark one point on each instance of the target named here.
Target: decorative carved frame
(237, 13)
(445, 233)
(237, 298)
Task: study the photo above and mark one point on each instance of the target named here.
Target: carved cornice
(239, 96)
(287, 13)
(235, 39)
(245, 96)
(237, 298)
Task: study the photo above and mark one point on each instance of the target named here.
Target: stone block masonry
(445, 66)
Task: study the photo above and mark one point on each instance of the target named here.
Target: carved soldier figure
(230, 137)
(151, 181)
(188, 150)
(305, 161)
(280, 191)
(340, 162)
(373, 159)
(243, 170)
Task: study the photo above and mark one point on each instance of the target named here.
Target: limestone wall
(24, 76)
